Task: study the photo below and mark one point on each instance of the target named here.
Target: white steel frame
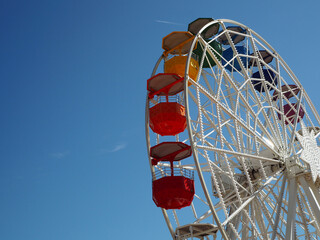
(251, 181)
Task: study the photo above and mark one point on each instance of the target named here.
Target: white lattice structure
(254, 135)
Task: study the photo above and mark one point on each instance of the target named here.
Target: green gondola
(208, 60)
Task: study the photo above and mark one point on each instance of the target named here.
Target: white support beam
(279, 202)
(312, 196)
(291, 217)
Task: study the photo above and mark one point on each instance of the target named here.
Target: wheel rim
(246, 145)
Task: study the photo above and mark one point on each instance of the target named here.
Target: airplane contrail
(172, 23)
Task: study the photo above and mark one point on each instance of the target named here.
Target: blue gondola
(268, 75)
(228, 55)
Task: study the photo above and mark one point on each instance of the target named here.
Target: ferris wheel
(232, 138)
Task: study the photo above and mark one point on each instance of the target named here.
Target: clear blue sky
(73, 86)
